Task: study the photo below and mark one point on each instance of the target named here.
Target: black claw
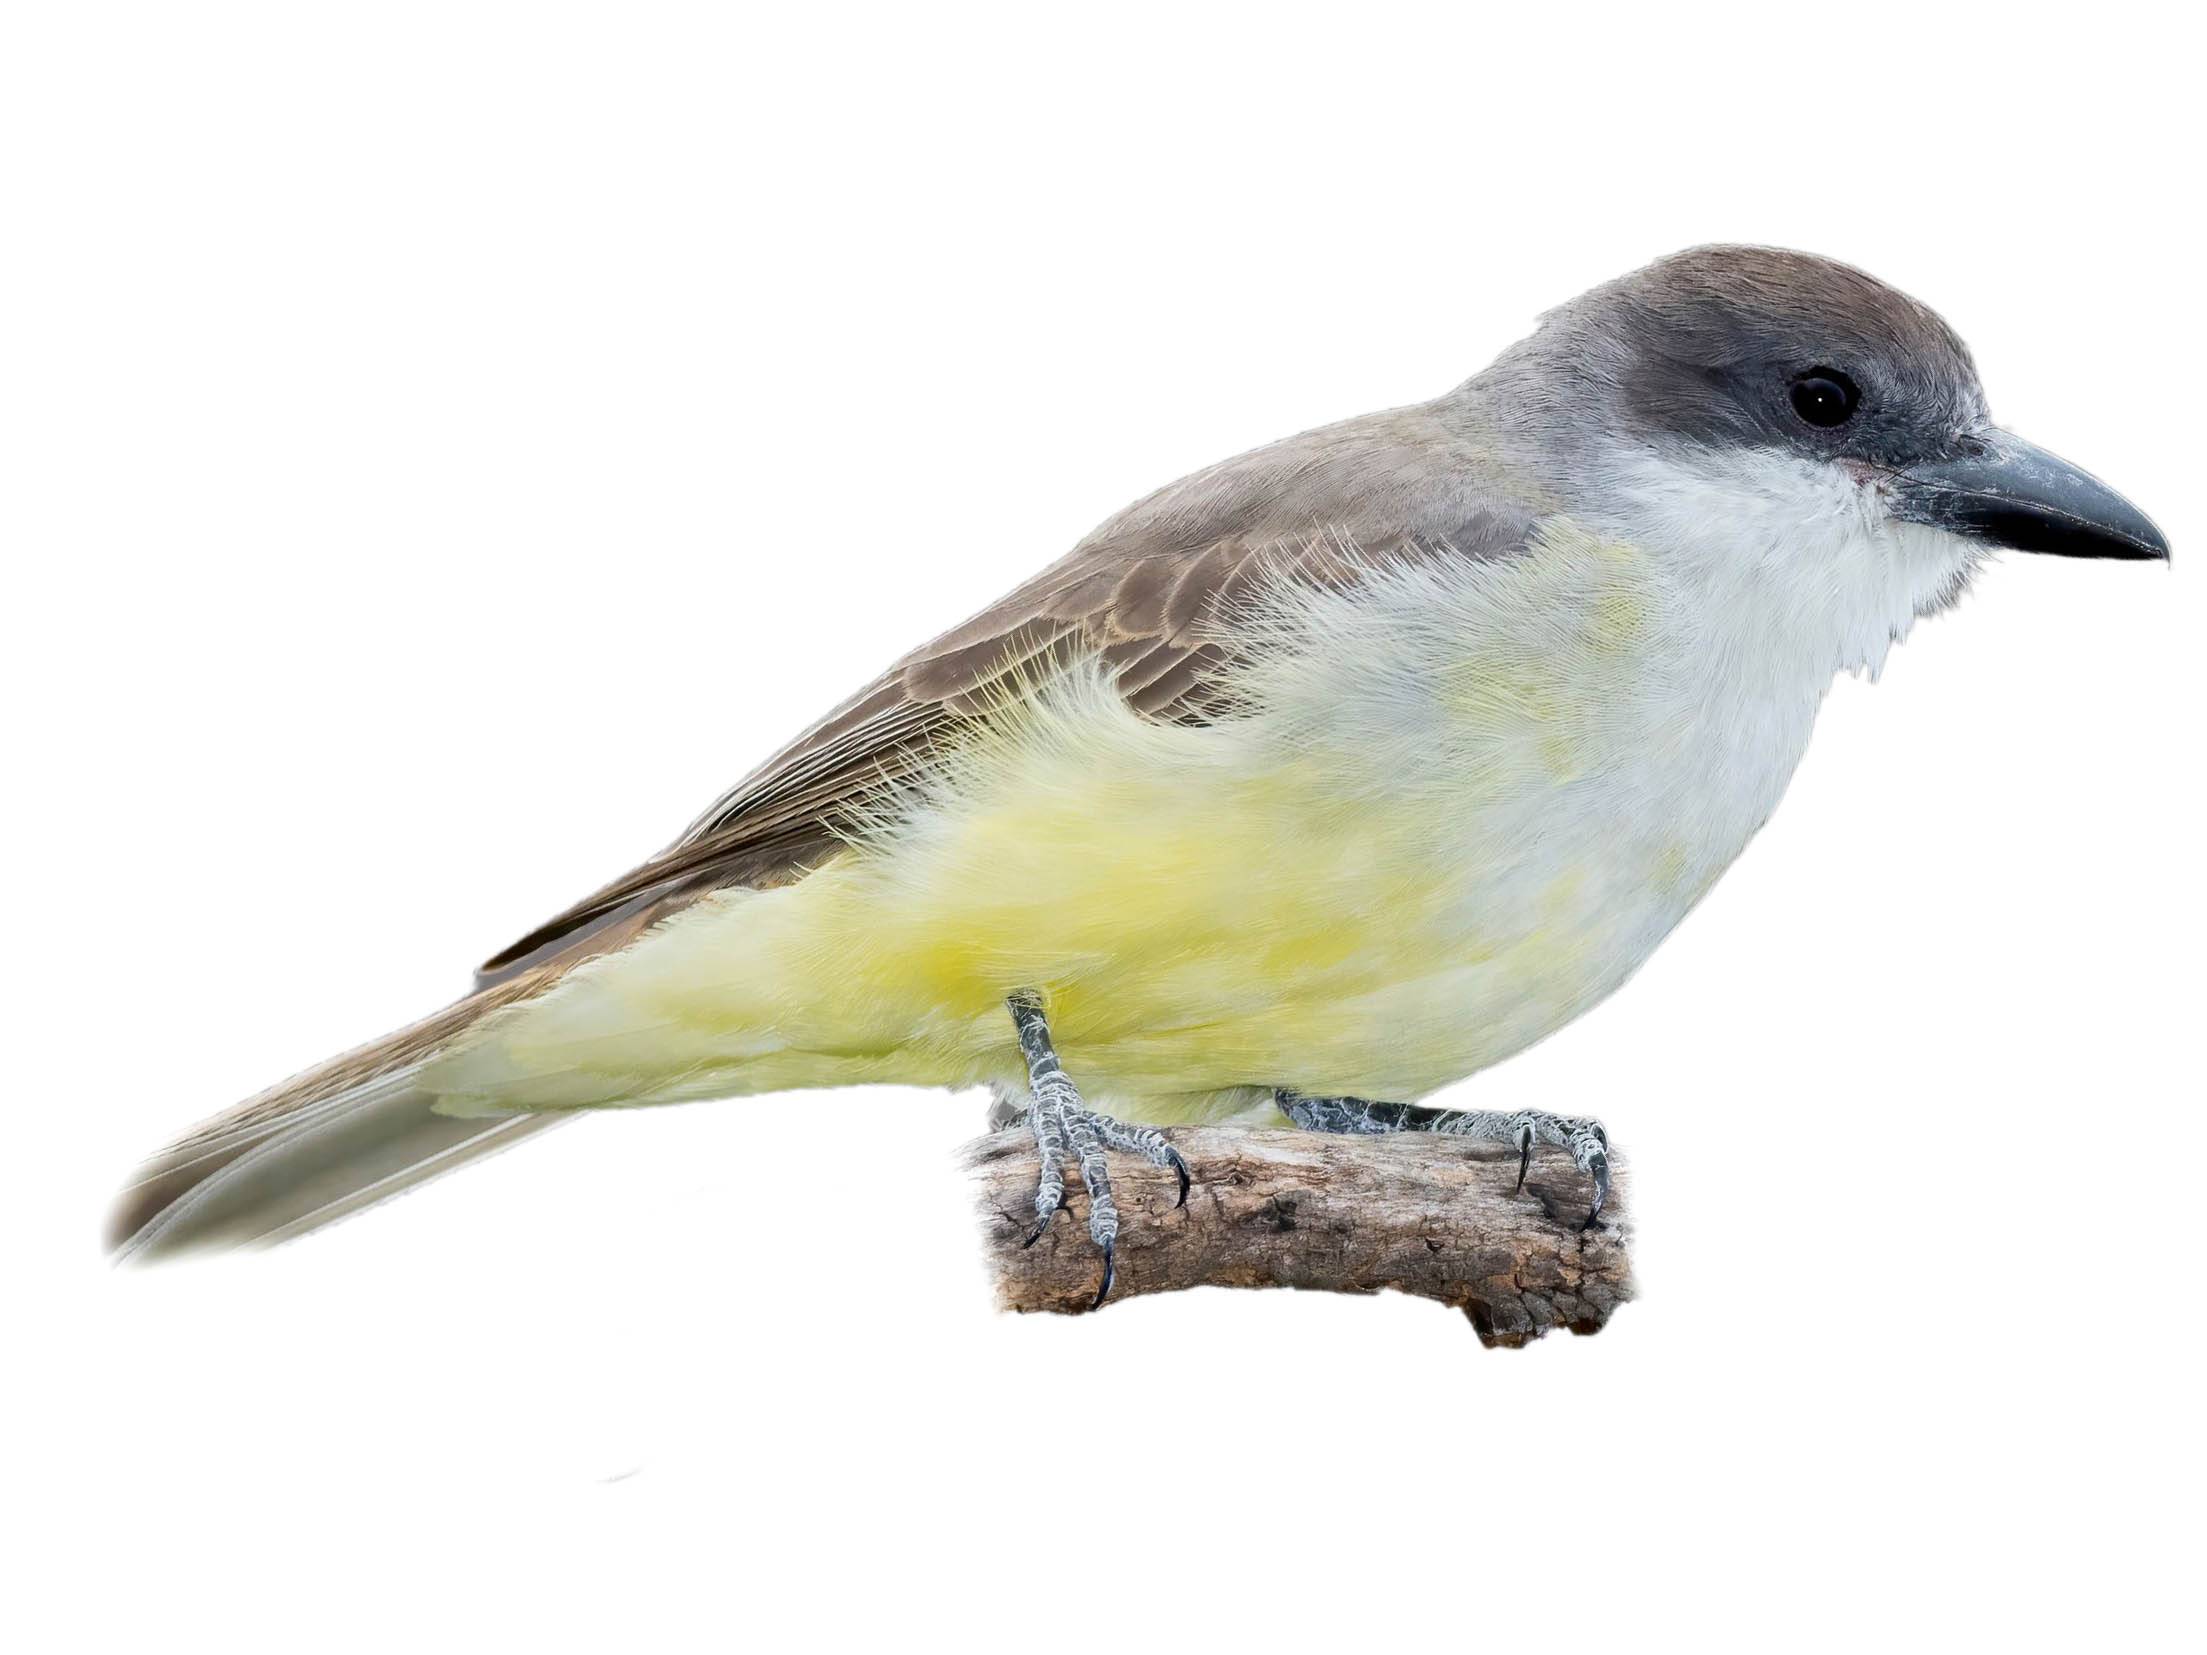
(1034, 1235)
(1598, 1165)
(1110, 1273)
(1524, 1156)
(1180, 1169)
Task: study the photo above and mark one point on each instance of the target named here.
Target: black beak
(2015, 494)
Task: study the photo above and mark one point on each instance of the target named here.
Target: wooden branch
(1433, 1216)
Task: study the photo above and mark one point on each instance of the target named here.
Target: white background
(445, 445)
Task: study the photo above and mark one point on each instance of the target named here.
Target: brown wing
(1150, 596)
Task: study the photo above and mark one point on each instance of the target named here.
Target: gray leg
(1060, 1120)
(1584, 1138)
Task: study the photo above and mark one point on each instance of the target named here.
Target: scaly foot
(1059, 1120)
(1583, 1137)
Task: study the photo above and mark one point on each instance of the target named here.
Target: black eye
(1825, 397)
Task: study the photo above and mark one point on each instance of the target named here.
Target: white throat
(1798, 563)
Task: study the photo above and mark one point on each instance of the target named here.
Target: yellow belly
(1187, 947)
(1209, 913)
(1197, 932)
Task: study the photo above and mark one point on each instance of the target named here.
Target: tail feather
(347, 1135)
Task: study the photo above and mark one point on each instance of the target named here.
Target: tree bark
(1435, 1216)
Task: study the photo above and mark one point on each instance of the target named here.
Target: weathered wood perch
(1426, 1215)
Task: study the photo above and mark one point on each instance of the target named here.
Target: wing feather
(1152, 596)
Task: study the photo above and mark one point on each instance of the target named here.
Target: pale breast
(1476, 797)
(1563, 760)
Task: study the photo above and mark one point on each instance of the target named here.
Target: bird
(1302, 788)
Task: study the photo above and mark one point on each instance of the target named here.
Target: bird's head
(1795, 421)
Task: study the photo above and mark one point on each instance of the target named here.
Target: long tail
(342, 1136)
